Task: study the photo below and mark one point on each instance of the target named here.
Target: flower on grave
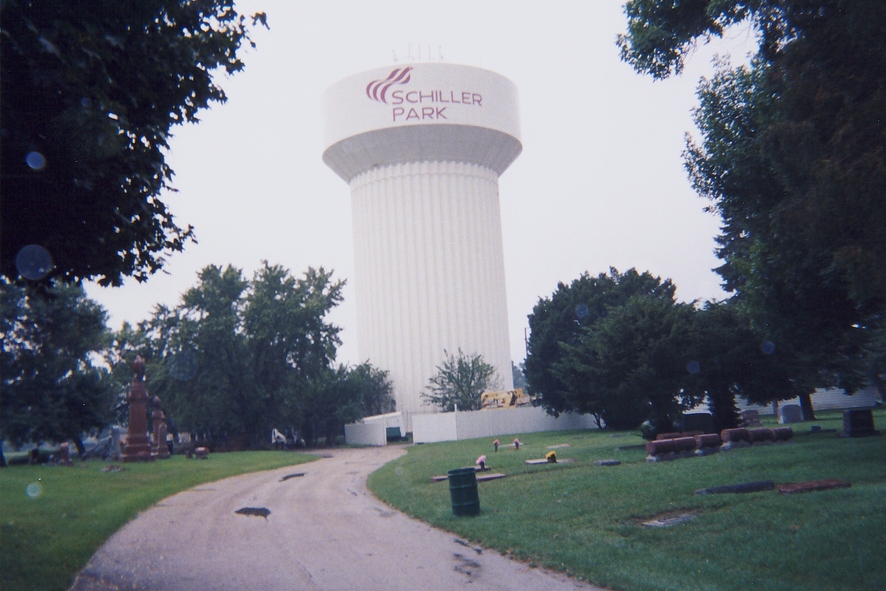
(516, 443)
(481, 461)
(551, 457)
(495, 443)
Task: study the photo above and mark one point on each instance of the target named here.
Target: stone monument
(858, 422)
(791, 413)
(138, 444)
(64, 455)
(159, 448)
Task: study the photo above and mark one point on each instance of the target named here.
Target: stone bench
(783, 434)
(670, 449)
(761, 435)
(678, 434)
(732, 438)
(707, 443)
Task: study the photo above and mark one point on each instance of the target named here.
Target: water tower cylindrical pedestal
(422, 148)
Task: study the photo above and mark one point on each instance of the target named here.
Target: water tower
(422, 147)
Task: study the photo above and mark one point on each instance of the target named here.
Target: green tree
(560, 320)
(237, 358)
(292, 347)
(730, 360)
(50, 390)
(793, 159)
(343, 395)
(98, 85)
(373, 388)
(778, 277)
(630, 365)
(518, 372)
(220, 399)
(460, 382)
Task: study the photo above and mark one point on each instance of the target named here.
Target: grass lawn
(53, 518)
(587, 520)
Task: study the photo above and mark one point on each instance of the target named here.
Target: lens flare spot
(768, 347)
(33, 262)
(34, 490)
(35, 160)
(693, 367)
(183, 366)
(581, 310)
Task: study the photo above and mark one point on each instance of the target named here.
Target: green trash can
(463, 491)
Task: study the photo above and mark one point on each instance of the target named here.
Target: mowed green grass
(586, 520)
(53, 518)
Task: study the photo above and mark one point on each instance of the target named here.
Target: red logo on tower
(377, 90)
(419, 104)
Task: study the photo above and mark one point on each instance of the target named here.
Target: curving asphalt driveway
(325, 531)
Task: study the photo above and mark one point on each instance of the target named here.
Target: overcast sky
(600, 181)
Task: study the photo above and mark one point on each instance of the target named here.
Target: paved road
(325, 531)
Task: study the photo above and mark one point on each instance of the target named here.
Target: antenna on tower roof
(414, 53)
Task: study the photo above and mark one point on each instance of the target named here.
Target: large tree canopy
(237, 358)
(631, 364)
(90, 92)
(730, 360)
(561, 318)
(233, 357)
(793, 158)
(49, 389)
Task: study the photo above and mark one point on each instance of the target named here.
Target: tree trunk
(724, 409)
(806, 407)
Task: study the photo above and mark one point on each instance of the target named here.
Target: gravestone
(607, 463)
(813, 486)
(698, 421)
(791, 413)
(138, 444)
(750, 418)
(858, 422)
(744, 487)
(116, 448)
(159, 448)
(64, 454)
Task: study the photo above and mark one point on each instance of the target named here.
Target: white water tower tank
(422, 147)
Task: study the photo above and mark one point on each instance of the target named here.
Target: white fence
(373, 430)
(825, 400)
(452, 426)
